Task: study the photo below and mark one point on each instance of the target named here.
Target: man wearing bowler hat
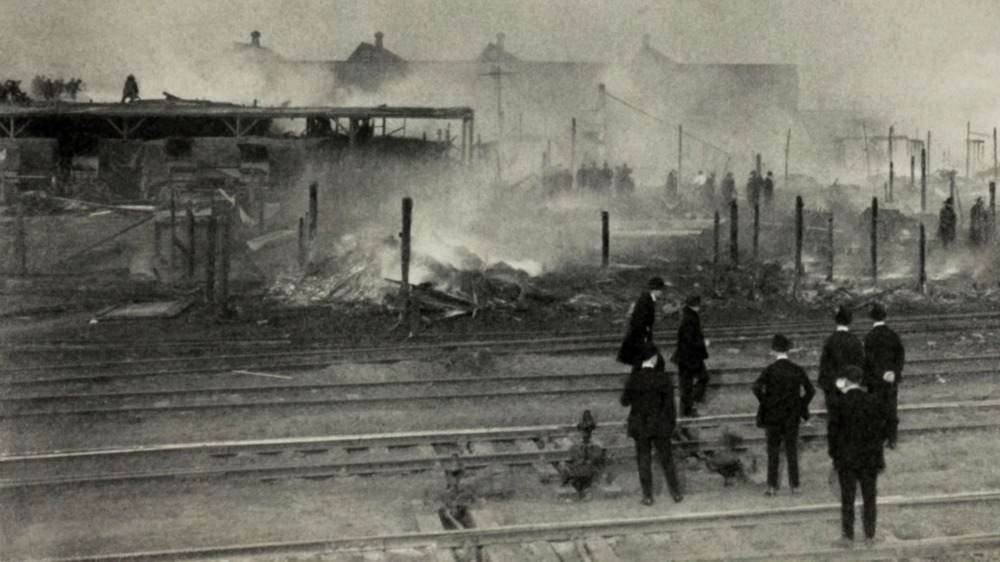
(884, 359)
(690, 356)
(784, 392)
(841, 348)
(640, 325)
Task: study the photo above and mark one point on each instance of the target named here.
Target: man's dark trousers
(849, 480)
(644, 458)
(775, 435)
(693, 383)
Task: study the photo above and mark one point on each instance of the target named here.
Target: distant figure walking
(130, 92)
(783, 391)
(856, 432)
(947, 220)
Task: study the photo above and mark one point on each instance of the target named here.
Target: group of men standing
(704, 192)
(981, 227)
(859, 381)
(600, 180)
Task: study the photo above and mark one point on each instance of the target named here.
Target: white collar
(780, 356)
(843, 329)
(651, 363)
(879, 323)
(652, 295)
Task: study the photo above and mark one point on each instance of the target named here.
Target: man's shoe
(678, 498)
(647, 501)
(771, 491)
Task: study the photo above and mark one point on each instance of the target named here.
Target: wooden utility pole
(923, 180)
(874, 240)
(758, 165)
(605, 240)
(891, 167)
(788, 146)
(798, 244)
(734, 233)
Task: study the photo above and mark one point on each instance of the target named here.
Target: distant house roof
(495, 52)
(366, 52)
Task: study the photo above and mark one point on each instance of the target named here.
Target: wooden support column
(874, 240)
(191, 241)
(734, 234)
(798, 244)
(210, 245)
(472, 129)
(605, 240)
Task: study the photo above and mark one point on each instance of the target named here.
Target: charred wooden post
(210, 241)
(191, 242)
(913, 172)
(756, 228)
(923, 180)
(734, 234)
(715, 259)
(788, 147)
(922, 281)
(829, 248)
(410, 309)
(20, 235)
(313, 210)
(605, 240)
(994, 154)
(798, 243)
(302, 242)
(892, 178)
(225, 242)
(993, 211)
(572, 148)
(173, 230)
(874, 239)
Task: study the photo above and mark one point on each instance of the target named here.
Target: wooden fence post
(922, 281)
(605, 240)
(923, 180)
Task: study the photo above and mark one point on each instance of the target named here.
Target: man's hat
(693, 300)
(852, 373)
(878, 312)
(657, 284)
(780, 343)
(843, 316)
(948, 201)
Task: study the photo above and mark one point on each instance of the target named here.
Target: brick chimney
(255, 38)
(500, 38)
(378, 39)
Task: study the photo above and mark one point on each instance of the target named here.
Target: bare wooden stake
(892, 178)
(715, 259)
(572, 148)
(411, 311)
(798, 243)
(829, 248)
(922, 281)
(605, 240)
(923, 180)
(302, 242)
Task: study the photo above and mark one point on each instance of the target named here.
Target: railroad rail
(717, 535)
(598, 342)
(72, 398)
(324, 457)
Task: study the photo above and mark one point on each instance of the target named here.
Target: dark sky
(909, 56)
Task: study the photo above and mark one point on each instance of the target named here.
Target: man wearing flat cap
(640, 325)
(690, 356)
(842, 348)
(884, 359)
(784, 392)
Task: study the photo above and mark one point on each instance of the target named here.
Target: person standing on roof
(130, 92)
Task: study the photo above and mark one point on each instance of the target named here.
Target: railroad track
(325, 457)
(720, 535)
(74, 398)
(297, 356)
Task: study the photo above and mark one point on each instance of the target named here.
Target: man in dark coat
(947, 220)
(640, 324)
(856, 433)
(727, 191)
(784, 392)
(842, 348)
(690, 356)
(884, 359)
(767, 189)
(651, 421)
(754, 186)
